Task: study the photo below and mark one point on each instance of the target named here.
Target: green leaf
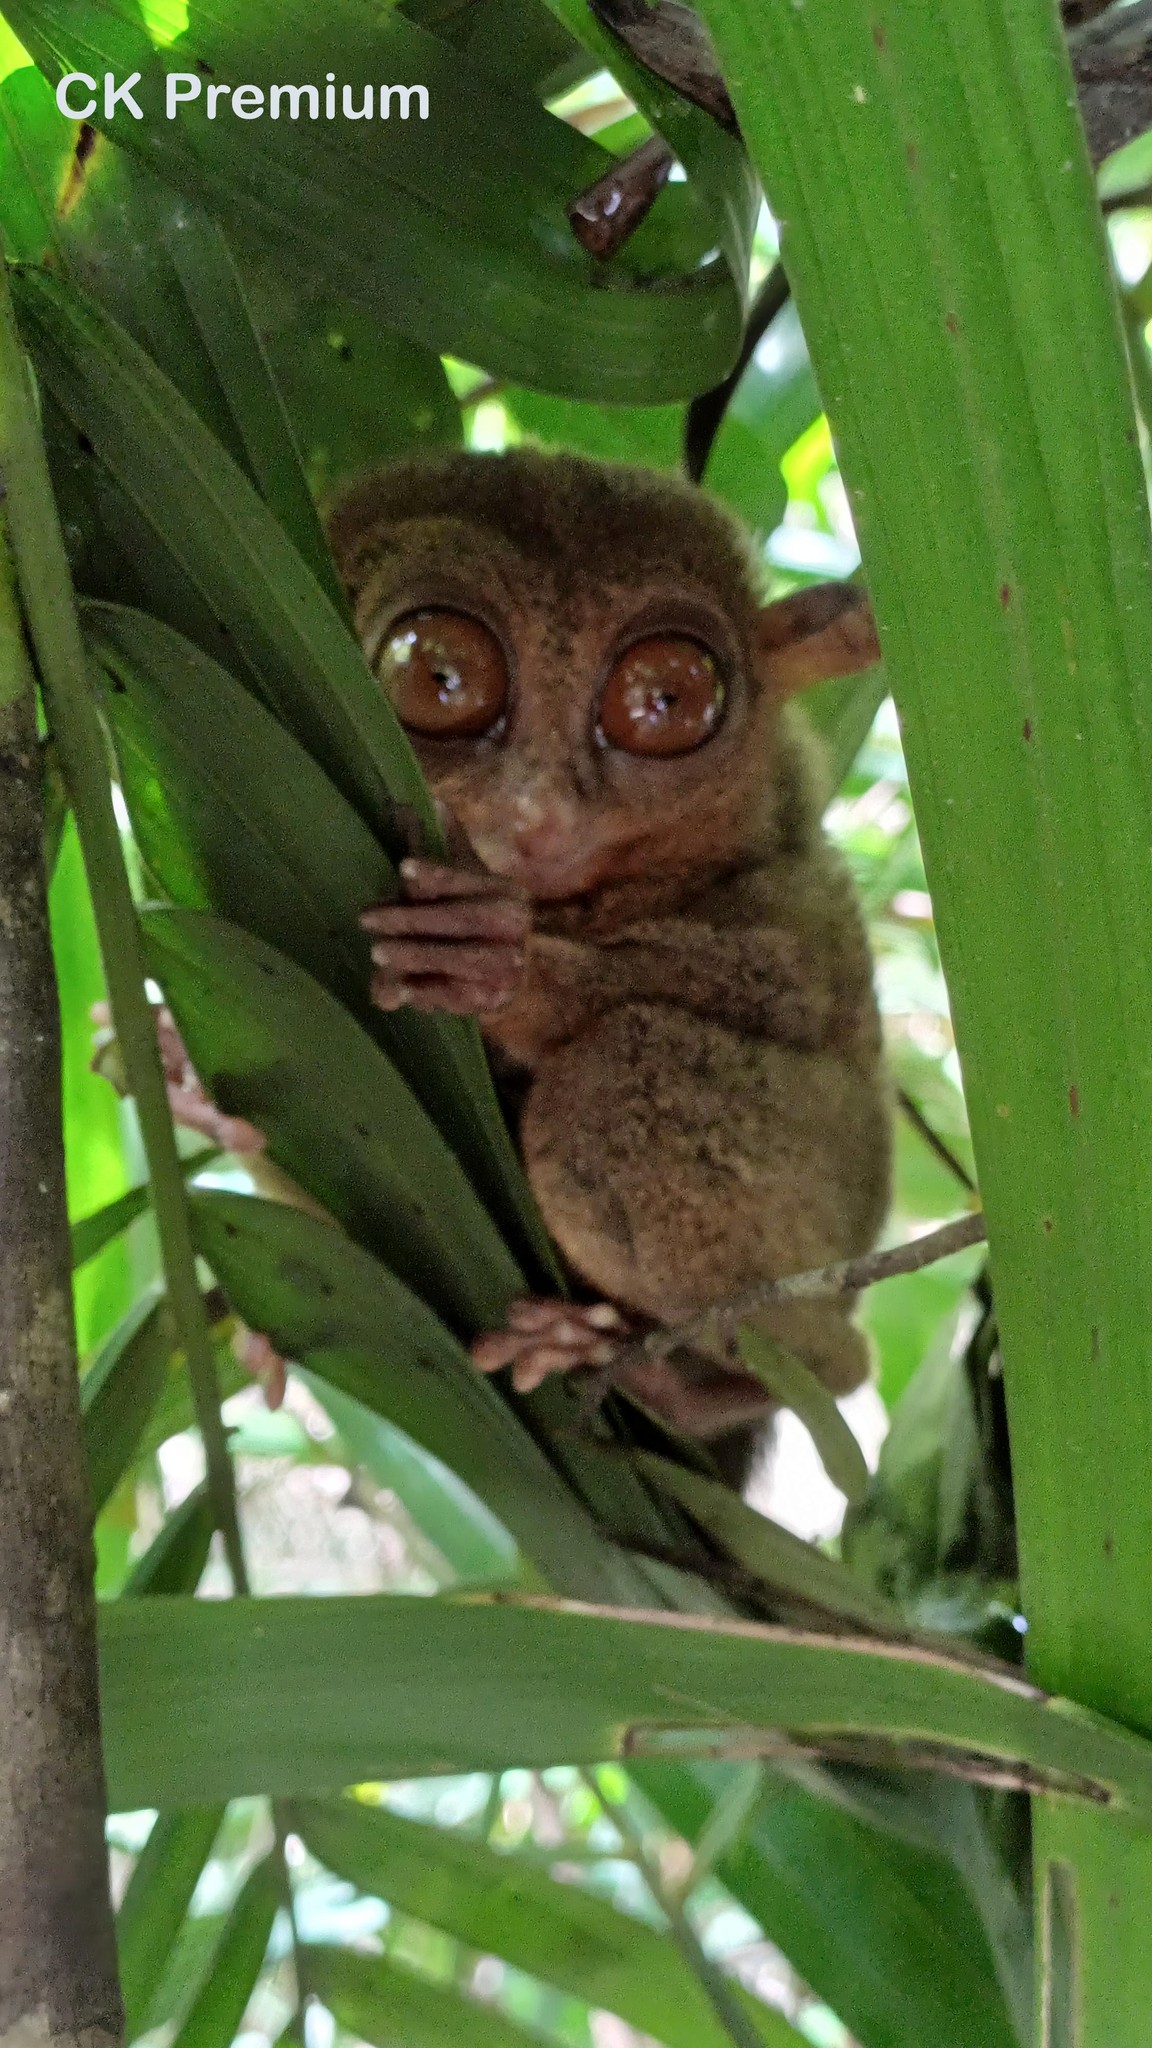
(796, 1387)
(331, 1305)
(843, 711)
(358, 394)
(175, 1559)
(481, 260)
(885, 1933)
(650, 434)
(91, 1233)
(119, 1391)
(372, 2000)
(789, 1566)
(467, 1535)
(271, 1045)
(295, 1695)
(159, 1893)
(231, 813)
(163, 269)
(37, 146)
(504, 1907)
(294, 648)
(213, 2018)
(93, 1143)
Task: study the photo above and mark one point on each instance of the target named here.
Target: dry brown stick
(825, 1283)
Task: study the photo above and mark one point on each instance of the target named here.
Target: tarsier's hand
(543, 1337)
(454, 941)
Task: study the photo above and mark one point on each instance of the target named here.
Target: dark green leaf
(177, 1555)
(331, 1305)
(271, 1045)
(119, 1391)
(294, 647)
(885, 1933)
(232, 814)
(158, 1896)
(375, 2001)
(504, 1907)
(481, 260)
(213, 2018)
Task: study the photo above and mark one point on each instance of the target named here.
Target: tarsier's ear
(825, 631)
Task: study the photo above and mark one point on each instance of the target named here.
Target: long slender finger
(467, 917)
(441, 992)
(425, 880)
(409, 957)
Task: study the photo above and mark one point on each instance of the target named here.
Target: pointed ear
(825, 631)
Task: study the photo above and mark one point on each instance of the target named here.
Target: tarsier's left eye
(445, 672)
(665, 695)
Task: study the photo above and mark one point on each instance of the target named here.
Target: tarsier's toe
(545, 1337)
(259, 1356)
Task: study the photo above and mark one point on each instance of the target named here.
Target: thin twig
(706, 413)
(720, 1994)
(934, 1141)
(825, 1283)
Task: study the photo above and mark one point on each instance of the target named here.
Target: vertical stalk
(942, 236)
(58, 1978)
(46, 590)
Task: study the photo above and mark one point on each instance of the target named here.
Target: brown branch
(604, 216)
(825, 1283)
(706, 413)
(672, 42)
(770, 1745)
(934, 1141)
(57, 1947)
(1112, 63)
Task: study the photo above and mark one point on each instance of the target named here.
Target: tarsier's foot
(543, 1337)
(194, 1110)
(259, 1356)
(455, 940)
(191, 1106)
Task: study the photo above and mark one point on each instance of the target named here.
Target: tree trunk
(57, 1946)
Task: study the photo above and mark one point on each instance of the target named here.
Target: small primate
(664, 953)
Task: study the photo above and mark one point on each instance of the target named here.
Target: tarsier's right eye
(445, 673)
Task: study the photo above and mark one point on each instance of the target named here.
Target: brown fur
(694, 1029)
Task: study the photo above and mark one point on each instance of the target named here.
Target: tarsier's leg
(194, 1110)
(678, 1163)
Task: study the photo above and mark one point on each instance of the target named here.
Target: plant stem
(720, 1993)
(825, 1283)
(46, 588)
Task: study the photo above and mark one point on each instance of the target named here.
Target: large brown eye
(664, 696)
(445, 673)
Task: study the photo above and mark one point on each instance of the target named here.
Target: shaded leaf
(502, 1906)
(119, 1391)
(480, 258)
(213, 2018)
(175, 1559)
(157, 1898)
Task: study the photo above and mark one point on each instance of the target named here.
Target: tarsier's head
(580, 658)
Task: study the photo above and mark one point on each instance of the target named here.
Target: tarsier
(662, 950)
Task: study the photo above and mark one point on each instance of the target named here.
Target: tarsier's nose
(542, 841)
